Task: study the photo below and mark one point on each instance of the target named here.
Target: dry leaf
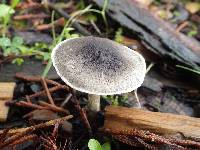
(42, 115)
(193, 7)
(145, 2)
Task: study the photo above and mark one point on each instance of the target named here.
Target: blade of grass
(189, 69)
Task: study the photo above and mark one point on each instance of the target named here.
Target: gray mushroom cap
(98, 65)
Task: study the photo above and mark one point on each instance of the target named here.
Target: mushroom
(98, 66)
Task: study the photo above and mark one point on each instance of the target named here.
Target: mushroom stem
(93, 103)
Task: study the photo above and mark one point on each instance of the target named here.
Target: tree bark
(157, 35)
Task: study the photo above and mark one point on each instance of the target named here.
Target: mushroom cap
(98, 65)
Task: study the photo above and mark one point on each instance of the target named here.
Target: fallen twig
(42, 105)
(31, 16)
(34, 79)
(182, 26)
(66, 100)
(82, 112)
(59, 22)
(75, 24)
(27, 5)
(151, 137)
(32, 137)
(57, 86)
(51, 90)
(134, 142)
(36, 127)
(19, 133)
(53, 107)
(50, 142)
(44, 84)
(26, 104)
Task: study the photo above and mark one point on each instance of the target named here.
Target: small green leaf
(17, 41)
(106, 146)
(192, 33)
(5, 42)
(14, 50)
(80, 5)
(118, 35)
(177, 13)
(14, 3)
(5, 10)
(94, 145)
(18, 61)
(24, 50)
(46, 56)
(91, 17)
(74, 36)
(7, 51)
(39, 57)
(41, 46)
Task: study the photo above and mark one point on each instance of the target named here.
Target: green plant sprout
(17, 48)
(14, 3)
(87, 10)
(6, 12)
(193, 30)
(116, 100)
(103, 13)
(95, 145)
(192, 33)
(113, 99)
(11, 47)
(65, 33)
(80, 4)
(118, 35)
(67, 28)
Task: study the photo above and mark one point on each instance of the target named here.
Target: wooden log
(6, 94)
(165, 124)
(6, 90)
(157, 35)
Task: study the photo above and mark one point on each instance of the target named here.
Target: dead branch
(26, 104)
(161, 128)
(51, 90)
(23, 139)
(44, 84)
(31, 16)
(42, 105)
(59, 22)
(53, 107)
(36, 127)
(19, 133)
(34, 79)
